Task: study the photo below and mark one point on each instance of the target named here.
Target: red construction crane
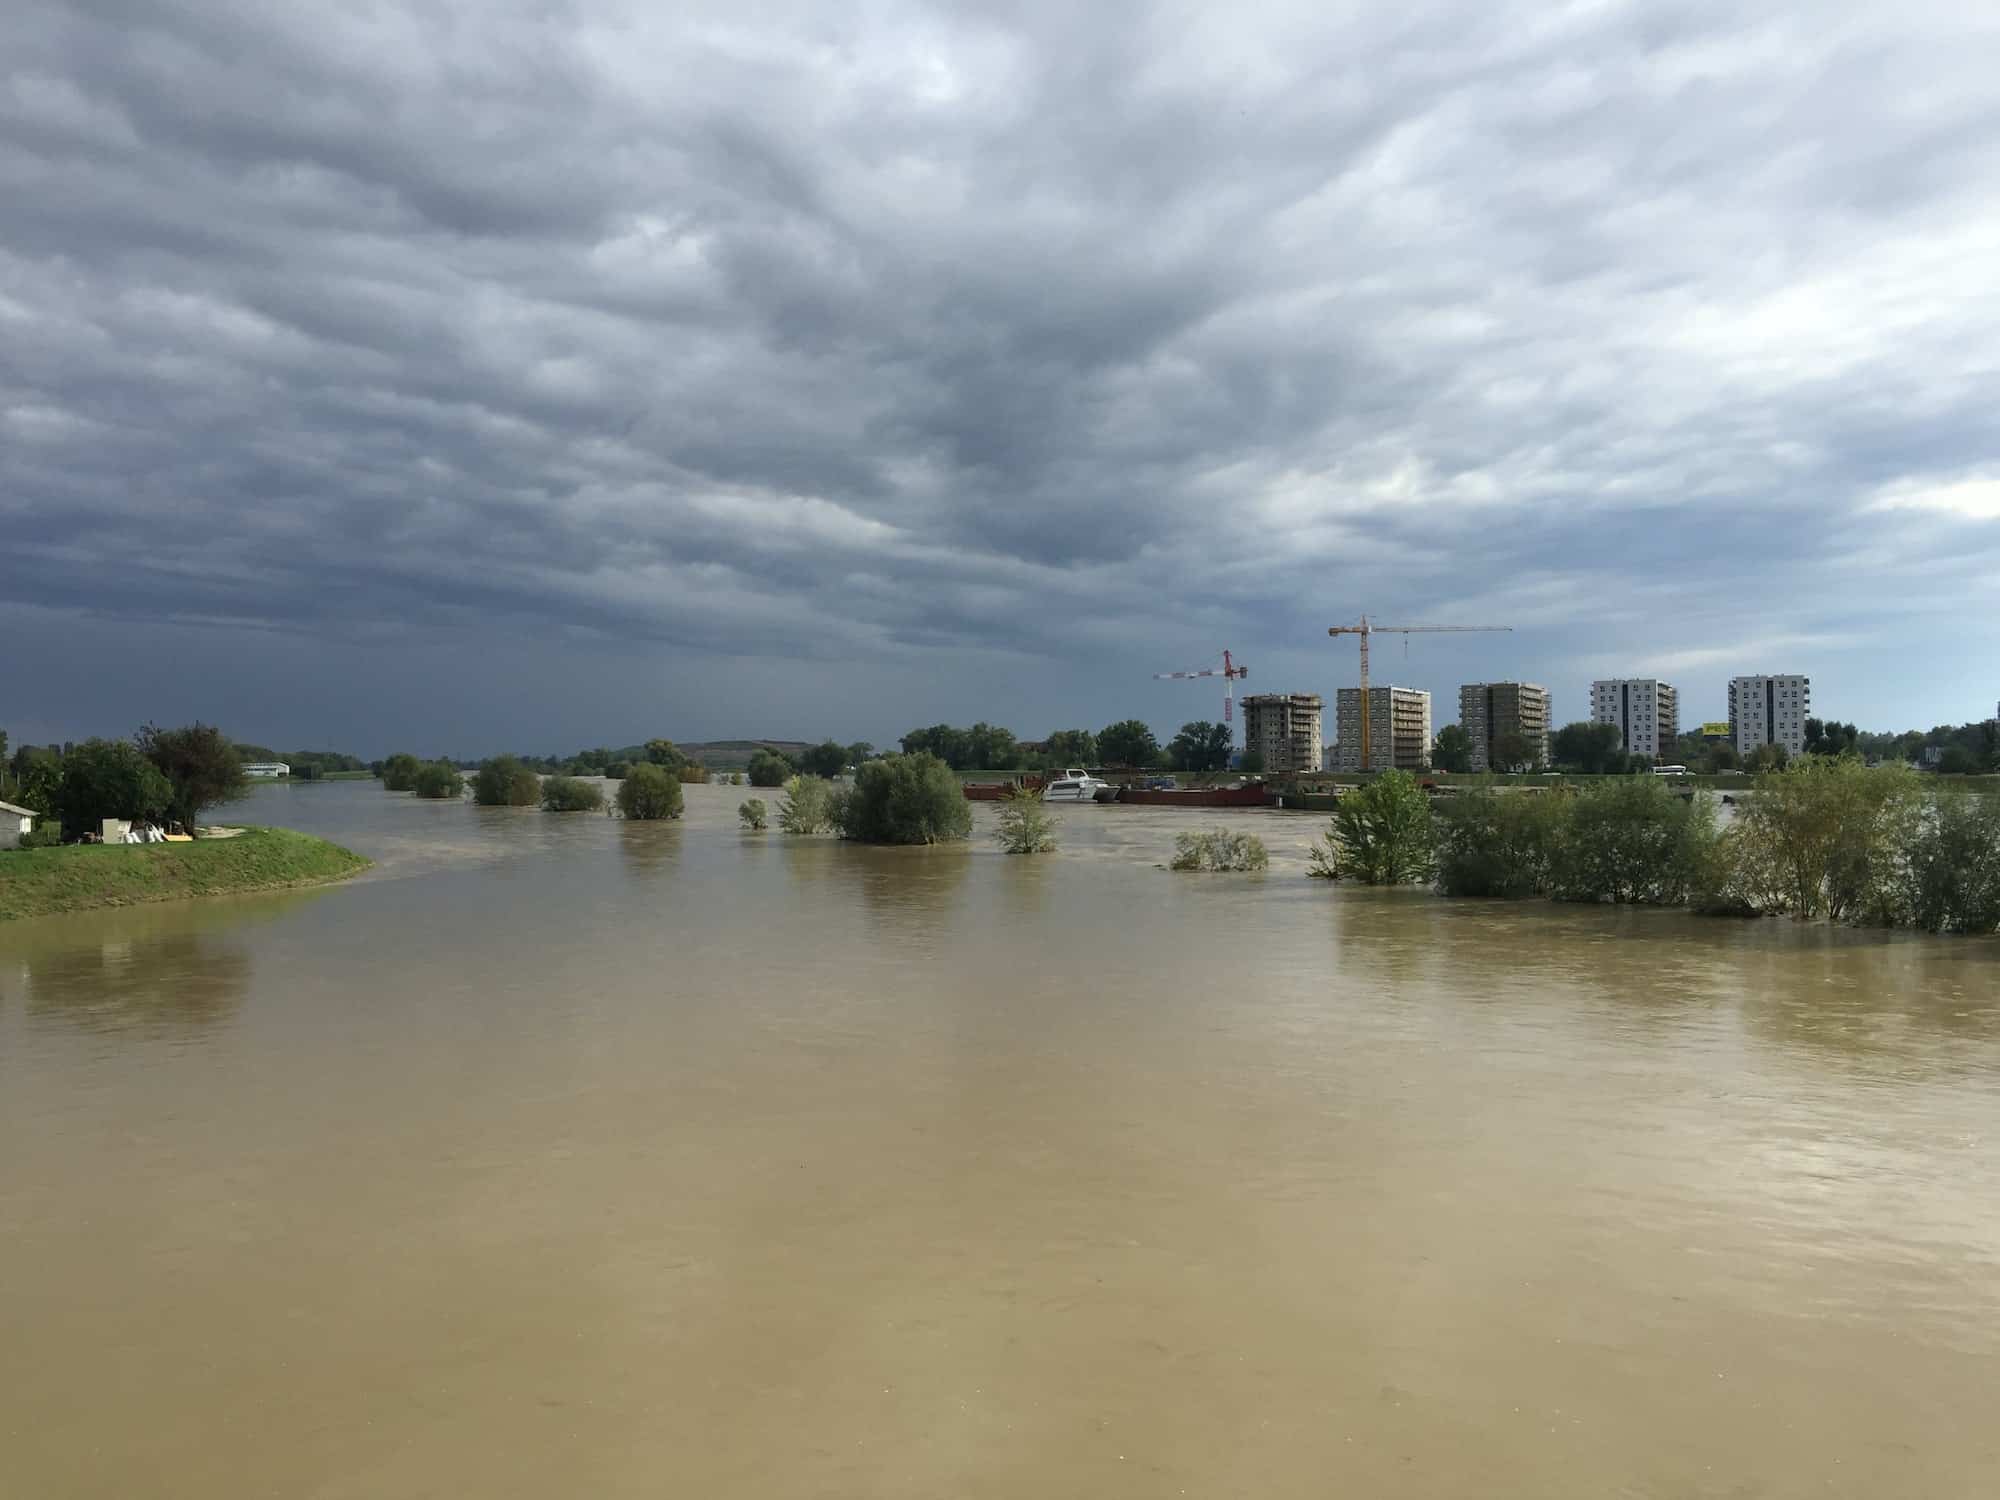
(1228, 672)
(1366, 629)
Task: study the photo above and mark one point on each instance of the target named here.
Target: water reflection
(650, 849)
(909, 895)
(170, 983)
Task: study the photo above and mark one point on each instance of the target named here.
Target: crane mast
(1364, 630)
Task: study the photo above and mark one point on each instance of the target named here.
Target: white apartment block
(1645, 711)
(1769, 711)
(1399, 729)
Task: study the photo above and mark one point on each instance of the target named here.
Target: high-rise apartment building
(1284, 729)
(1769, 711)
(1490, 713)
(1399, 729)
(1645, 711)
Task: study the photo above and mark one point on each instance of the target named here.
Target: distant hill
(733, 755)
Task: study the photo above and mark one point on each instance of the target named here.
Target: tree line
(164, 777)
(1824, 837)
(1126, 744)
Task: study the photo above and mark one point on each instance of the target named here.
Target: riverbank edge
(85, 877)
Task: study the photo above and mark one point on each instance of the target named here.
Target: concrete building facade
(1399, 729)
(1769, 711)
(1645, 711)
(1489, 712)
(1284, 728)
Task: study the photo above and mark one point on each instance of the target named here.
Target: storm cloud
(530, 373)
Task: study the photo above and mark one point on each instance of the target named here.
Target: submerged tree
(505, 782)
(1026, 825)
(650, 792)
(1380, 834)
(906, 799)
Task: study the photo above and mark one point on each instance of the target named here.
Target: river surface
(559, 1156)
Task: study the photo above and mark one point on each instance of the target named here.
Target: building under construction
(1399, 729)
(1494, 713)
(1284, 729)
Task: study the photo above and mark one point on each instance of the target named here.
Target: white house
(267, 769)
(15, 821)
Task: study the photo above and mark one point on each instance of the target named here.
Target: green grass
(40, 882)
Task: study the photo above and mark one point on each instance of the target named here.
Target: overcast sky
(530, 374)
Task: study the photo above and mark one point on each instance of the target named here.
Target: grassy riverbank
(40, 882)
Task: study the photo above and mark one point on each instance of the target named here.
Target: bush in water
(439, 780)
(399, 772)
(1822, 838)
(1630, 839)
(1026, 824)
(752, 815)
(1380, 835)
(504, 782)
(905, 799)
(650, 792)
(768, 768)
(1495, 843)
(1219, 850)
(1949, 866)
(805, 808)
(567, 794)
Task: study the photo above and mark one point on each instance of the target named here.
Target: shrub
(1219, 850)
(768, 768)
(650, 792)
(805, 808)
(905, 799)
(1380, 835)
(504, 782)
(1822, 837)
(1026, 824)
(736, 778)
(1629, 839)
(617, 770)
(399, 773)
(1949, 864)
(566, 794)
(1494, 843)
(753, 815)
(42, 836)
(438, 780)
(693, 773)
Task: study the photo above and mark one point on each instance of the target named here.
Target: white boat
(1073, 786)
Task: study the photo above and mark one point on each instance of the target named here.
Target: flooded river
(565, 1157)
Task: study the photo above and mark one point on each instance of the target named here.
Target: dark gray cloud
(838, 368)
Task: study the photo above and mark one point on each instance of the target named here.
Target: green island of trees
(1823, 837)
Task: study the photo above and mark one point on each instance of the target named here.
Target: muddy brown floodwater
(565, 1157)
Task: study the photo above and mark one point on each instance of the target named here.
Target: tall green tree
(1201, 747)
(1452, 750)
(827, 758)
(665, 754)
(1590, 748)
(1129, 742)
(860, 751)
(399, 772)
(768, 768)
(1513, 752)
(650, 792)
(1381, 834)
(109, 779)
(200, 764)
(1072, 747)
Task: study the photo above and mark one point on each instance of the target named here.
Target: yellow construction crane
(1366, 629)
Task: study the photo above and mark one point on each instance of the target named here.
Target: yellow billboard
(1715, 731)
